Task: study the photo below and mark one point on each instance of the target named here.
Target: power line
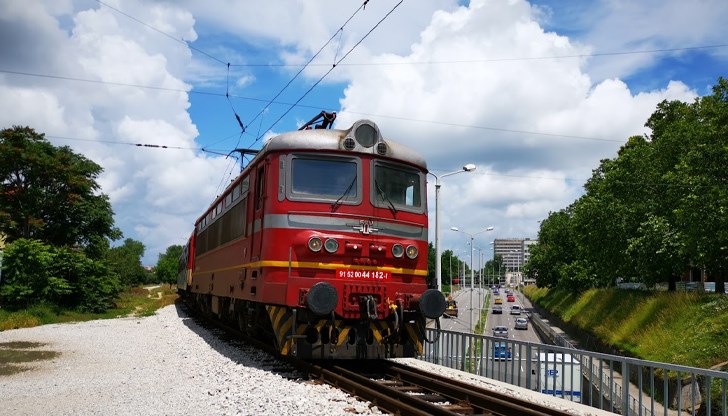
(331, 69)
(142, 145)
(182, 41)
(485, 60)
(341, 30)
(589, 55)
(472, 126)
(297, 104)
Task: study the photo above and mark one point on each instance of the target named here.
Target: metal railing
(596, 379)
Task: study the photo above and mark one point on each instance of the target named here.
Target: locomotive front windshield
(398, 186)
(325, 178)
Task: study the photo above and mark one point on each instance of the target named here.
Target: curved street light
(438, 261)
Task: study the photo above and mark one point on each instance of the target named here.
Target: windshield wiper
(346, 192)
(384, 197)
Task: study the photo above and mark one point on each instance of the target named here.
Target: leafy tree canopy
(50, 194)
(126, 262)
(654, 212)
(167, 264)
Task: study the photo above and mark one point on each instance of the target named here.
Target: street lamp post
(438, 261)
(472, 273)
(518, 265)
(449, 271)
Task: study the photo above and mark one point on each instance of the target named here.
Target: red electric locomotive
(320, 246)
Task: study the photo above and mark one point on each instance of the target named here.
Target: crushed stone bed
(164, 364)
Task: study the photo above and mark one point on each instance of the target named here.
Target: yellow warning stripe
(412, 331)
(316, 265)
(376, 328)
(282, 321)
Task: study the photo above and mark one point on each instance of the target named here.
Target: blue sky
(534, 94)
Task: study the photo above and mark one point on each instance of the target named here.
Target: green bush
(37, 273)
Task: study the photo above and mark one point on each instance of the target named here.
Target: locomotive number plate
(363, 274)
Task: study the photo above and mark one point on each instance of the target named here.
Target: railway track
(403, 390)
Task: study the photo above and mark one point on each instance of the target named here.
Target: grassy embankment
(135, 302)
(671, 327)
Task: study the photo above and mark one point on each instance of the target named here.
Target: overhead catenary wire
(507, 59)
(503, 59)
(318, 107)
(490, 174)
(136, 144)
(182, 41)
(227, 64)
(332, 68)
(338, 32)
(297, 104)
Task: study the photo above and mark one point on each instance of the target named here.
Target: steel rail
(477, 397)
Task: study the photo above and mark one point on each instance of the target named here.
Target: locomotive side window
(398, 185)
(244, 185)
(324, 179)
(260, 188)
(201, 241)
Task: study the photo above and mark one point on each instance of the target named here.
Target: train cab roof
(362, 137)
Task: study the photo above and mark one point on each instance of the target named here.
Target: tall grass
(672, 327)
(134, 302)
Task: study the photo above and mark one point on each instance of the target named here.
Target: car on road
(498, 301)
(501, 351)
(498, 309)
(500, 331)
(521, 323)
(511, 298)
(451, 308)
(516, 310)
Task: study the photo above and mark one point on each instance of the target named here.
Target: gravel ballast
(165, 364)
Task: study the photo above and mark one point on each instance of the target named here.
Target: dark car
(498, 309)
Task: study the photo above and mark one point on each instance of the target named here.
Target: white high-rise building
(514, 251)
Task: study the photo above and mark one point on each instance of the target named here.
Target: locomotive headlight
(397, 250)
(331, 245)
(314, 243)
(366, 135)
(412, 252)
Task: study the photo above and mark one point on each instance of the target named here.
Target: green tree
(126, 262)
(701, 129)
(51, 194)
(27, 276)
(657, 251)
(431, 256)
(36, 272)
(450, 266)
(494, 269)
(654, 212)
(167, 265)
(556, 249)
